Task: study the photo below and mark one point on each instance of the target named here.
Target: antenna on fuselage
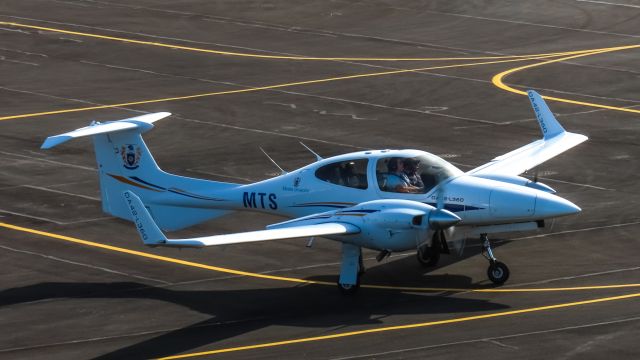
(318, 157)
(273, 161)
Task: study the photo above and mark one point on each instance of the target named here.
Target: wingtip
(53, 141)
(148, 230)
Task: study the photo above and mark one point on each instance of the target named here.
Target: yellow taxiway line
(268, 87)
(403, 327)
(298, 280)
(498, 79)
(259, 56)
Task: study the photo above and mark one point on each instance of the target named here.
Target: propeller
(440, 220)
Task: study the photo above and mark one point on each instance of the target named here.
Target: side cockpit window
(415, 175)
(350, 173)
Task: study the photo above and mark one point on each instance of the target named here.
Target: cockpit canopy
(350, 173)
(417, 175)
(402, 172)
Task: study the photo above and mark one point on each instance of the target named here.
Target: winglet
(548, 124)
(147, 228)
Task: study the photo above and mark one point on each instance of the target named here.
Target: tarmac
(76, 283)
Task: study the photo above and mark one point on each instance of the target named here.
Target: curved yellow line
(292, 279)
(277, 57)
(268, 87)
(498, 79)
(403, 327)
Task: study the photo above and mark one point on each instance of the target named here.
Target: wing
(152, 235)
(555, 141)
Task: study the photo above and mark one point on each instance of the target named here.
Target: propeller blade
(440, 198)
(441, 219)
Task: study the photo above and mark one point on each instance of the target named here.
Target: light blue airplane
(385, 200)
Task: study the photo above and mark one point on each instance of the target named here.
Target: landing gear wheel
(428, 256)
(498, 272)
(349, 289)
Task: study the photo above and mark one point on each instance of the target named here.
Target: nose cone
(442, 219)
(548, 205)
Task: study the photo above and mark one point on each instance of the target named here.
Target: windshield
(417, 175)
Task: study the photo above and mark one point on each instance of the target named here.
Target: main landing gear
(497, 272)
(351, 269)
(429, 256)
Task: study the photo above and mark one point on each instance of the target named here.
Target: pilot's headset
(392, 166)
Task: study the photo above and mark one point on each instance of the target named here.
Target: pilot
(397, 180)
(349, 177)
(411, 170)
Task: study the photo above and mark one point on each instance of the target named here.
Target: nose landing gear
(497, 272)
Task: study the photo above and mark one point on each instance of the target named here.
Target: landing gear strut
(497, 272)
(351, 269)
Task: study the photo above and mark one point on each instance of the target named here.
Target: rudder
(125, 163)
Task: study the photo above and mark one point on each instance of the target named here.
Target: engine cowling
(399, 225)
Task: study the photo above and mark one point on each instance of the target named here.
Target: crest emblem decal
(296, 181)
(130, 156)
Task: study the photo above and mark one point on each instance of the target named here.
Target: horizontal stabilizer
(151, 234)
(143, 122)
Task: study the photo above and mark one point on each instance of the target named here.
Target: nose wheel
(497, 272)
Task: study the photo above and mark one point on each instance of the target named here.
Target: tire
(428, 256)
(349, 289)
(498, 273)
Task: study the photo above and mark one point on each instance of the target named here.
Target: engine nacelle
(389, 224)
(397, 219)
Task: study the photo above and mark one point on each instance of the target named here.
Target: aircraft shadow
(303, 306)
(406, 271)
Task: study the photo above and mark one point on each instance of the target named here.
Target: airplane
(384, 200)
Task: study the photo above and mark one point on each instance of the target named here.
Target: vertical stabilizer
(125, 163)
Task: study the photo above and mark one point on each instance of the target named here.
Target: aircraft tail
(125, 163)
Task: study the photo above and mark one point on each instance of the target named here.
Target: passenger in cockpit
(411, 170)
(397, 179)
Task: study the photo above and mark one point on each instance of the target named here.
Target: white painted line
(577, 231)
(4, 58)
(129, 335)
(54, 221)
(15, 30)
(609, 3)
(274, 27)
(61, 192)
(528, 23)
(435, 111)
(70, 39)
(49, 161)
(577, 184)
(607, 272)
(54, 258)
(23, 52)
(490, 339)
